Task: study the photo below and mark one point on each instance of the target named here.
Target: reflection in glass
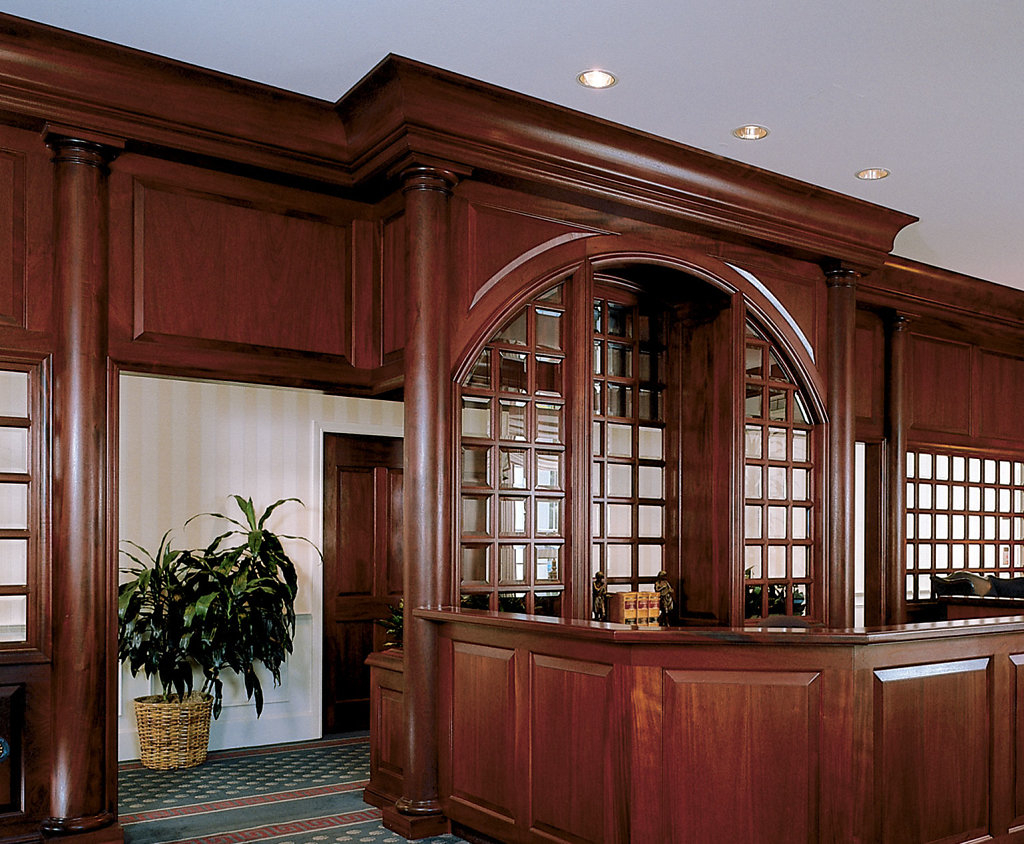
(549, 375)
(476, 514)
(549, 516)
(512, 563)
(512, 516)
(548, 569)
(512, 420)
(620, 400)
(620, 320)
(620, 360)
(475, 563)
(515, 332)
(13, 618)
(512, 468)
(480, 375)
(512, 372)
(549, 329)
(476, 464)
(753, 406)
(549, 470)
(476, 416)
(475, 601)
(777, 404)
(754, 362)
(549, 423)
(752, 441)
(777, 443)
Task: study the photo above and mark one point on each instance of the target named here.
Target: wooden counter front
(583, 732)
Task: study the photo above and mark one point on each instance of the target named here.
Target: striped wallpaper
(185, 446)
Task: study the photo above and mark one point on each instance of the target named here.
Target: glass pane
(777, 561)
(800, 414)
(800, 480)
(651, 519)
(752, 441)
(476, 514)
(620, 561)
(752, 562)
(620, 360)
(596, 520)
(14, 394)
(777, 405)
(597, 438)
(549, 329)
(799, 561)
(645, 366)
(14, 450)
(801, 447)
(649, 560)
(476, 416)
(752, 487)
(775, 369)
(799, 599)
(512, 563)
(13, 618)
(652, 482)
(776, 482)
(547, 603)
(514, 332)
(649, 405)
(549, 470)
(512, 420)
(512, 372)
(14, 506)
(777, 599)
(512, 602)
(752, 522)
(549, 423)
(755, 362)
(476, 465)
(512, 516)
(752, 602)
(548, 568)
(620, 400)
(753, 408)
(549, 376)
(777, 443)
(620, 441)
(801, 523)
(480, 375)
(598, 321)
(777, 523)
(475, 563)
(620, 320)
(650, 445)
(597, 479)
(549, 517)
(13, 562)
(597, 356)
(512, 468)
(620, 520)
(554, 295)
(620, 480)
(598, 399)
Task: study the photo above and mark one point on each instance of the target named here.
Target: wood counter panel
(894, 734)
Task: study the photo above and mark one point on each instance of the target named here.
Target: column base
(93, 829)
(419, 825)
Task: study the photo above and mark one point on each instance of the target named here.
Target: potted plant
(224, 607)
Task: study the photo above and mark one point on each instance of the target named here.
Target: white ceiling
(931, 89)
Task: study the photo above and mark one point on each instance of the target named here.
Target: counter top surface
(600, 631)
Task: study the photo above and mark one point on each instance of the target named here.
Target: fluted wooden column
(427, 517)
(895, 589)
(842, 316)
(82, 577)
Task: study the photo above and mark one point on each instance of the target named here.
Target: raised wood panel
(483, 728)
(501, 239)
(999, 397)
(387, 728)
(931, 772)
(571, 791)
(939, 385)
(230, 272)
(393, 287)
(12, 238)
(745, 755)
(869, 376)
(1017, 749)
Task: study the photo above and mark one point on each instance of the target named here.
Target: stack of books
(639, 608)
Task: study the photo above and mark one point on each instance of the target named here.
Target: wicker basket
(173, 733)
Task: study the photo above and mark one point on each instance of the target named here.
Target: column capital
(899, 322)
(836, 275)
(74, 149)
(429, 178)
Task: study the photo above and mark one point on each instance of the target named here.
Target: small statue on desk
(666, 596)
(600, 597)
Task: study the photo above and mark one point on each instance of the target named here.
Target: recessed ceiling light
(871, 174)
(596, 78)
(750, 132)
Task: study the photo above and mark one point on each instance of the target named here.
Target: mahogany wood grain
(82, 590)
(894, 492)
(998, 398)
(869, 376)
(940, 386)
(387, 725)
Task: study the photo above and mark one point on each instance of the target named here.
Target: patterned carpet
(304, 793)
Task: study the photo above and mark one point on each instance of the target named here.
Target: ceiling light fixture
(596, 78)
(872, 174)
(750, 132)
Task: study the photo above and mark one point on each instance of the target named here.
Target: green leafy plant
(224, 607)
(394, 625)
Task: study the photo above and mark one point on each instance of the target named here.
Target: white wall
(185, 447)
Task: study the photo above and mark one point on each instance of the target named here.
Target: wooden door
(362, 567)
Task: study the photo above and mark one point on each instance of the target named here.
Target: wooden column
(427, 517)
(82, 797)
(895, 590)
(842, 326)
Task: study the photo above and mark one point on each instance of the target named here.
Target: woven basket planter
(173, 733)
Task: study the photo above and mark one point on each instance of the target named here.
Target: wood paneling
(483, 723)
(1017, 750)
(999, 399)
(12, 238)
(745, 755)
(393, 287)
(215, 268)
(567, 784)
(869, 376)
(931, 769)
(387, 728)
(939, 383)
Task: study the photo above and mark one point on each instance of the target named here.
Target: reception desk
(566, 731)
